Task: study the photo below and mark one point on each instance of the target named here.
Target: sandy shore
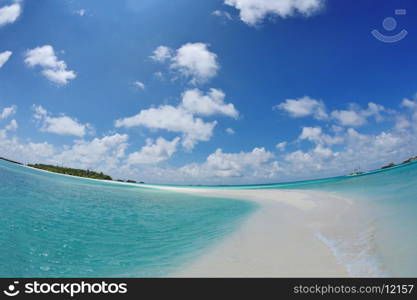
(283, 238)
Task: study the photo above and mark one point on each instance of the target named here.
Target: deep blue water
(57, 226)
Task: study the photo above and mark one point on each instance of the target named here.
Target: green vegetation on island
(387, 166)
(390, 165)
(411, 159)
(71, 171)
(356, 172)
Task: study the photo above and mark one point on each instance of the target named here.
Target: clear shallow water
(386, 240)
(390, 233)
(57, 226)
(386, 234)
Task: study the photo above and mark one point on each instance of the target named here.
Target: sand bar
(279, 239)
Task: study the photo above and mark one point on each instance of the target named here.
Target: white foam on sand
(294, 233)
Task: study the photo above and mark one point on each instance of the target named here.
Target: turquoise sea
(57, 226)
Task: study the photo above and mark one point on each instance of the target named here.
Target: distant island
(102, 176)
(71, 171)
(390, 165)
(387, 166)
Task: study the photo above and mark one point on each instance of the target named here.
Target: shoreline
(290, 235)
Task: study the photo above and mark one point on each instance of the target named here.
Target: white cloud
(159, 75)
(316, 135)
(358, 151)
(222, 14)
(230, 131)
(210, 104)
(12, 126)
(254, 11)
(15, 149)
(139, 84)
(281, 146)
(220, 164)
(173, 119)
(349, 118)
(336, 150)
(8, 111)
(304, 107)
(404, 121)
(4, 57)
(62, 125)
(53, 69)
(356, 116)
(182, 119)
(154, 152)
(81, 12)
(409, 104)
(9, 13)
(192, 60)
(100, 154)
(103, 154)
(196, 62)
(162, 54)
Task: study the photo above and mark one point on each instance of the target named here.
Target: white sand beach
(283, 238)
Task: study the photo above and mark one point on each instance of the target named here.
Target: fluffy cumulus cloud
(7, 112)
(409, 103)
(53, 69)
(193, 61)
(230, 131)
(220, 164)
(210, 104)
(101, 154)
(154, 152)
(304, 107)
(321, 151)
(12, 126)
(104, 154)
(356, 116)
(316, 135)
(184, 117)
(10, 13)
(62, 125)
(281, 146)
(173, 119)
(162, 54)
(25, 152)
(254, 11)
(4, 57)
(355, 151)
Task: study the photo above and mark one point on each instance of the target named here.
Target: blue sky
(228, 91)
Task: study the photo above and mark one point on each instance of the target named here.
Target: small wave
(356, 254)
